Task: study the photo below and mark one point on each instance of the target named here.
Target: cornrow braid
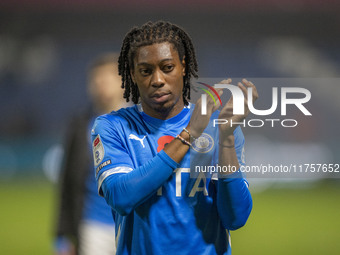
(148, 34)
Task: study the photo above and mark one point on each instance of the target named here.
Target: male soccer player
(142, 158)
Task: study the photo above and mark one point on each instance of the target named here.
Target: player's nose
(157, 79)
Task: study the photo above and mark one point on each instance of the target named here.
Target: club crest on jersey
(203, 144)
(98, 150)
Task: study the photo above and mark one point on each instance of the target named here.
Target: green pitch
(283, 221)
(292, 221)
(26, 218)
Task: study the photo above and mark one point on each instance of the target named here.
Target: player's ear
(183, 66)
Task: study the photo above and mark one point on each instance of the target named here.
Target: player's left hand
(227, 112)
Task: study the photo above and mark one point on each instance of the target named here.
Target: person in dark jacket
(85, 224)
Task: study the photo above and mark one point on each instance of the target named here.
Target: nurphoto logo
(238, 104)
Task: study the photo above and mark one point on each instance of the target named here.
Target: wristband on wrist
(227, 146)
(190, 136)
(183, 140)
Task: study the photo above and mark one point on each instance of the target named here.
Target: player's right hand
(199, 122)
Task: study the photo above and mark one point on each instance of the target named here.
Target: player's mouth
(160, 97)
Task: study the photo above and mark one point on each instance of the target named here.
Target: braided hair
(148, 34)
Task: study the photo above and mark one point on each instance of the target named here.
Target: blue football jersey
(181, 216)
(95, 207)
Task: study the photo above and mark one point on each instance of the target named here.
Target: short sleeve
(109, 151)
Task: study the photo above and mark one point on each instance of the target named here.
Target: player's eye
(168, 68)
(144, 71)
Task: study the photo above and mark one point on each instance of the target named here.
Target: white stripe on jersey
(116, 170)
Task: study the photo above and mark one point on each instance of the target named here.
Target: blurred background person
(85, 224)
